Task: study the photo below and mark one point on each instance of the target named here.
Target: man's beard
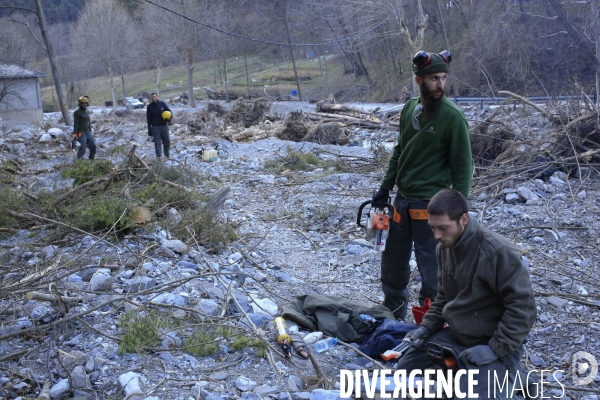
(431, 104)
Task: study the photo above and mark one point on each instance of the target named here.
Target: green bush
(202, 343)
(199, 225)
(142, 330)
(102, 213)
(242, 342)
(294, 161)
(86, 170)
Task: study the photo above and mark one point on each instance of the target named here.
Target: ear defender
(421, 59)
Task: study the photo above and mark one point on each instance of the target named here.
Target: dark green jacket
(334, 316)
(484, 291)
(436, 157)
(81, 121)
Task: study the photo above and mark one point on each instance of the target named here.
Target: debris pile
(247, 112)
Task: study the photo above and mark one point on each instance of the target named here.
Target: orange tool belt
(417, 215)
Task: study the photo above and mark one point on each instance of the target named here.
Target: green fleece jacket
(484, 291)
(433, 158)
(81, 121)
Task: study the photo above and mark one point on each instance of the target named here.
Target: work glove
(149, 131)
(479, 355)
(382, 196)
(417, 336)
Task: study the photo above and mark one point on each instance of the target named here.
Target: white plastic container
(313, 337)
(210, 155)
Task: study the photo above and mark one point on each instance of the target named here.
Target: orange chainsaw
(378, 223)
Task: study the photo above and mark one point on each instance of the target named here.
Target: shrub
(142, 330)
(86, 171)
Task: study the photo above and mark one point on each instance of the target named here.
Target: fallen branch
(77, 188)
(53, 298)
(524, 100)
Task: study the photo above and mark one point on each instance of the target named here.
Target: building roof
(16, 71)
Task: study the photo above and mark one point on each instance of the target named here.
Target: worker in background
(82, 128)
(484, 295)
(433, 152)
(158, 115)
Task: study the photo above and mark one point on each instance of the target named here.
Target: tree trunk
(112, 86)
(226, 83)
(579, 39)
(49, 49)
(158, 77)
(123, 87)
(415, 45)
(454, 87)
(289, 40)
(363, 69)
(596, 31)
(247, 78)
(190, 78)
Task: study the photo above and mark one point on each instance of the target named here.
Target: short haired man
(484, 295)
(433, 152)
(82, 128)
(157, 125)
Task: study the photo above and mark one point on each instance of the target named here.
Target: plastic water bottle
(367, 318)
(325, 344)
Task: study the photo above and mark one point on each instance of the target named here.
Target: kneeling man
(484, 296)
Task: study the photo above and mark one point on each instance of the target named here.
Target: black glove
(382, 196)
(149, 131)
(417, 336)
(479, 355)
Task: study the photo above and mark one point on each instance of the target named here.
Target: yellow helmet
(166, 115)
(83, 99)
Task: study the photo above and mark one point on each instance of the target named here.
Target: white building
(20, 96)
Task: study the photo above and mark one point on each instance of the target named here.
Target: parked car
(133, 104)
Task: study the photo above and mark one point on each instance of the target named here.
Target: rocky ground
(297, 235)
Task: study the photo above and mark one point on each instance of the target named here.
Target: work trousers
(395, 269)
(86, 140)
(504, 367)
(161, 135)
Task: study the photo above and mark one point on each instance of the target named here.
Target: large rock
(208, 307)
(79, 378)
(527, 194)
(130, 385)
(102, 281)
(170, 299)
(245, 384)
(139, 284)
(175, 245)
(61, 387)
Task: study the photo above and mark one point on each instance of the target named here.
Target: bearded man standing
(433, 153)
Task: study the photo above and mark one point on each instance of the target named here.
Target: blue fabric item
(387, 335)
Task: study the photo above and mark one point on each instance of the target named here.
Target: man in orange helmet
(82, 128)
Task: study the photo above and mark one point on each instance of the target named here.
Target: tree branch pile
(248, 112)
(519, 137)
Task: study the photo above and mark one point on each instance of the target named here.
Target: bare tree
(105, 34)
(157, 50)
(47, 45)
(187, 36)
(11, 92)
